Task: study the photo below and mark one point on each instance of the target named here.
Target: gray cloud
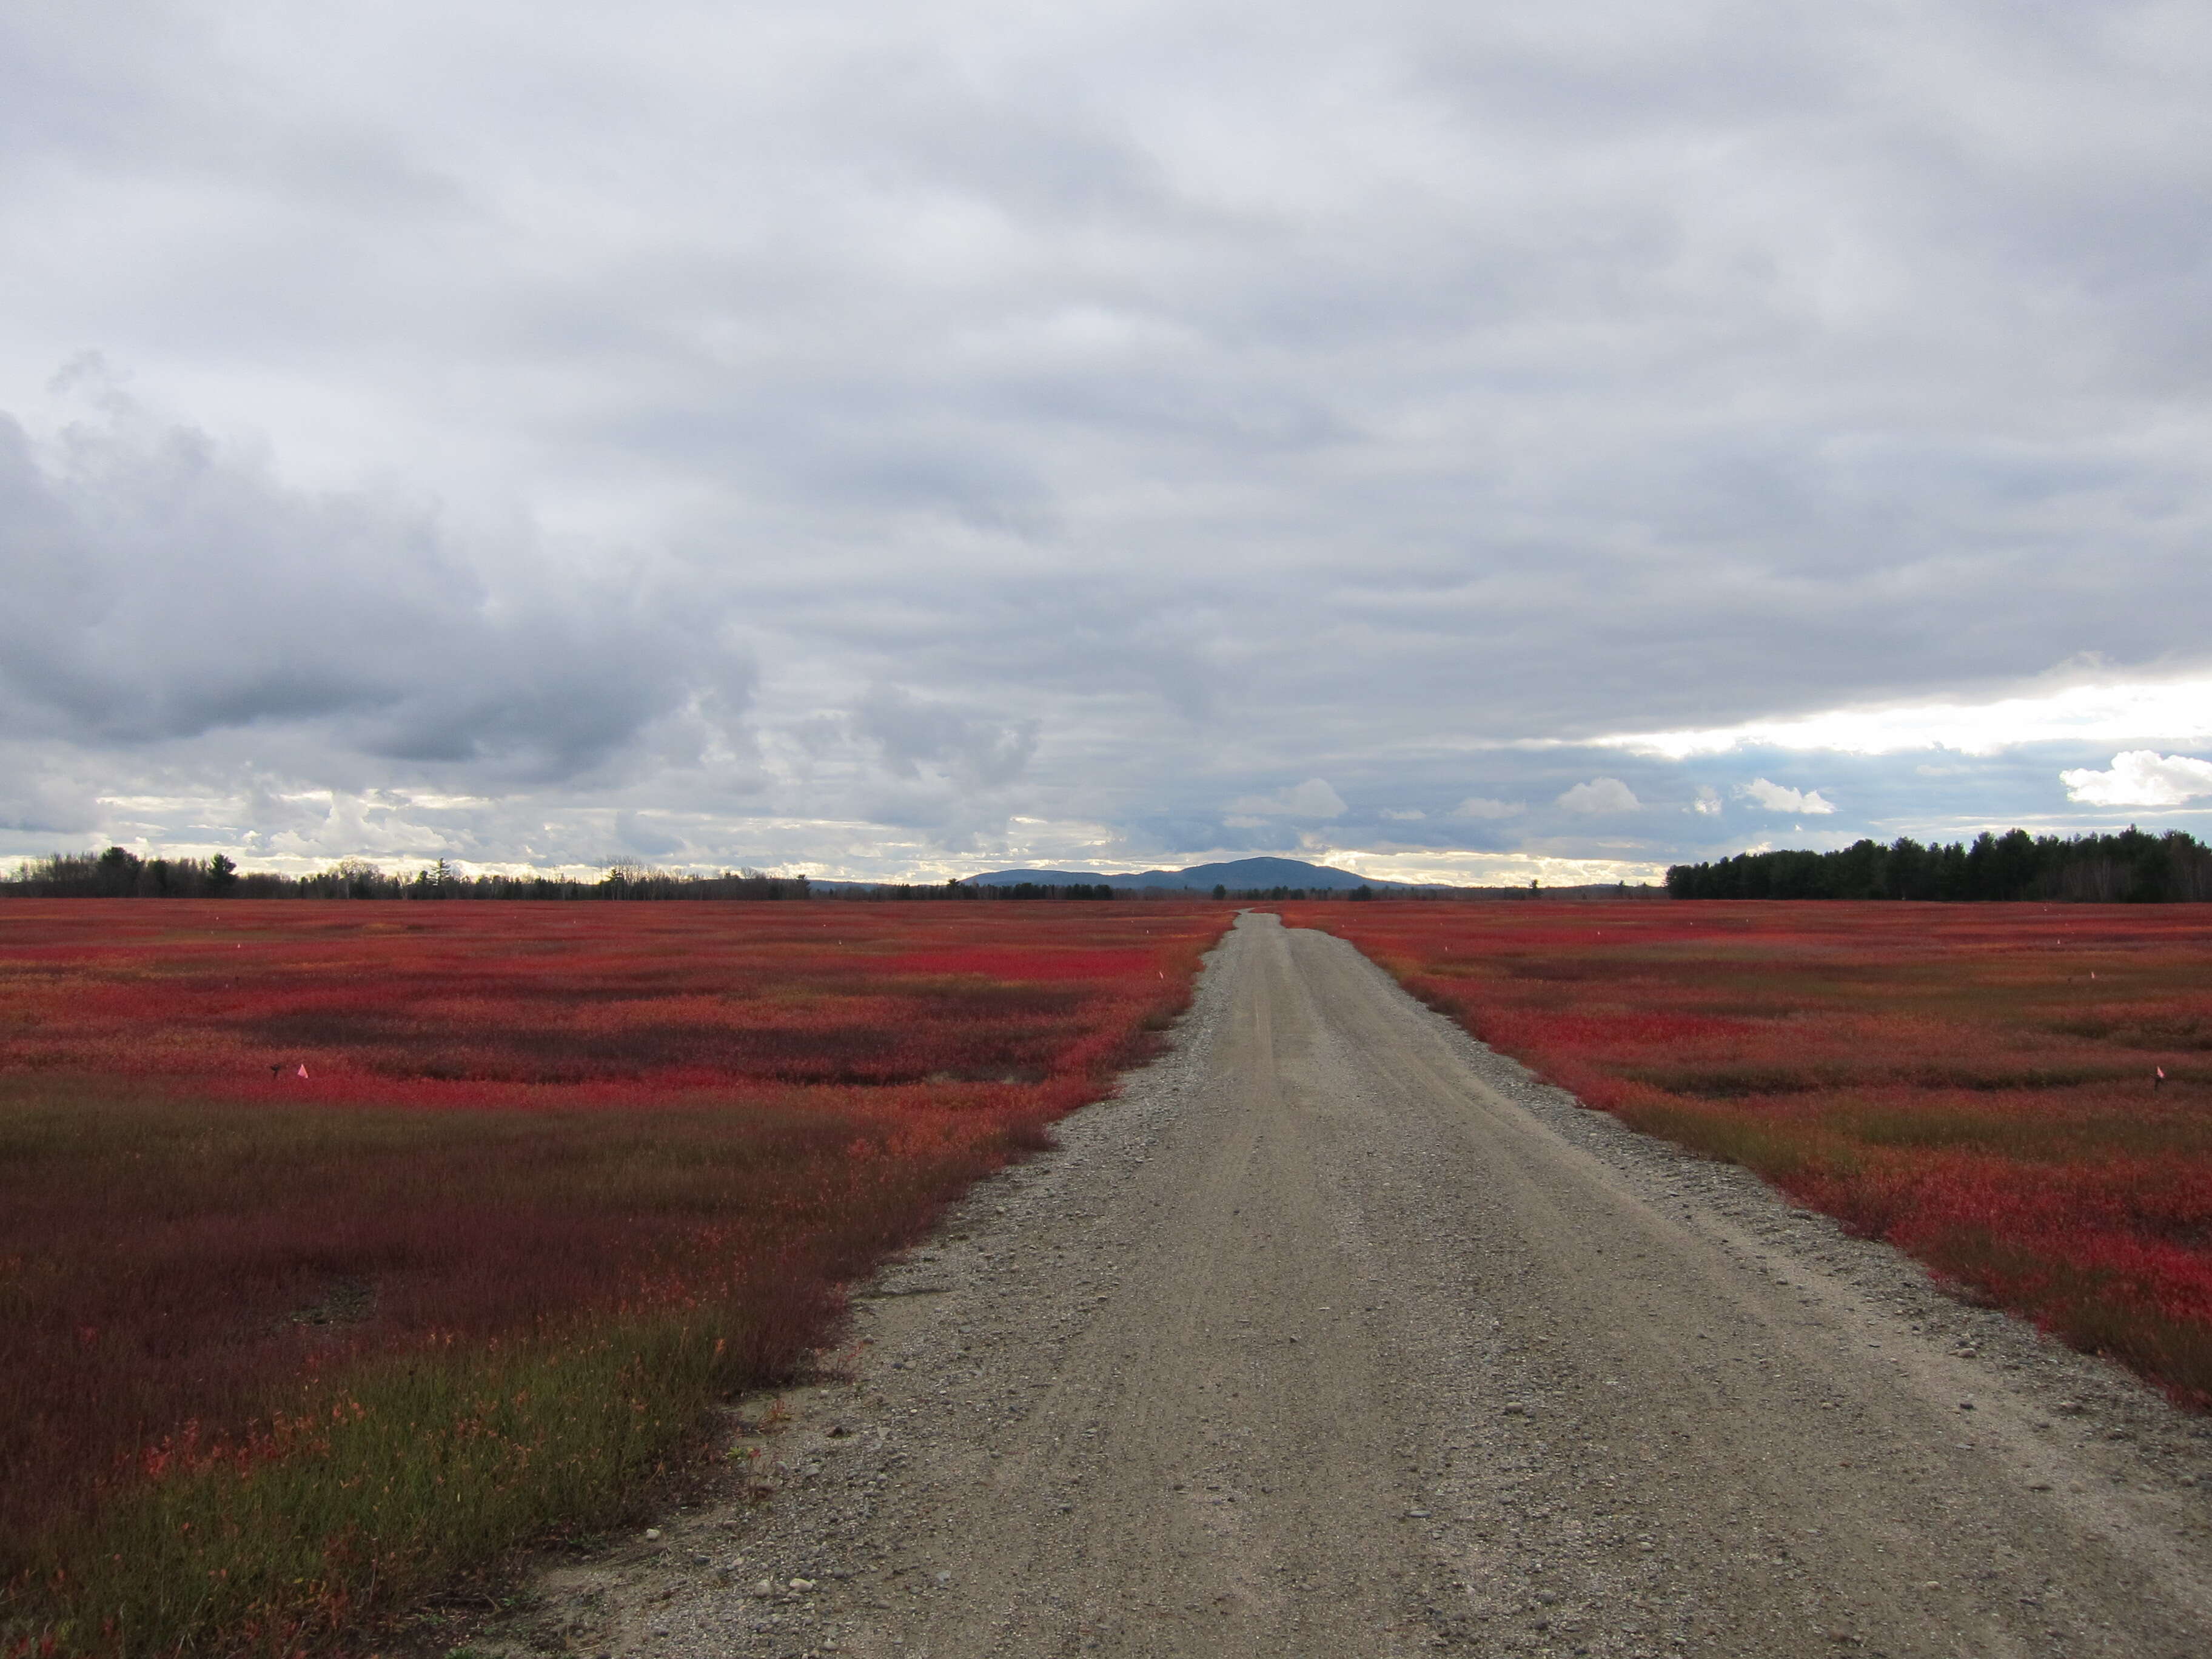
(163, 590)
(909, 733)
(1481, 806)
(878, 435)
(1308, 801)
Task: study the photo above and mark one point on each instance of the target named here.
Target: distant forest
(121, 874)
(2131, 867)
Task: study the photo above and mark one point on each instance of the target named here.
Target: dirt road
(1339, 1336)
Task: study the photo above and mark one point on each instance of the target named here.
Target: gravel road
(1337, 1334)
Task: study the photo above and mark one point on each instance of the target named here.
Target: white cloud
(1775, 797)
(1708, 802)
(1313, 798)
(1481, 806)
(2141, 777)
(1601, 795)
(1408, 815)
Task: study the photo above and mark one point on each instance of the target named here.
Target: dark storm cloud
(161, 591)
(1089, 422)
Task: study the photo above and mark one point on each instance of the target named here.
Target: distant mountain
(1237, 875)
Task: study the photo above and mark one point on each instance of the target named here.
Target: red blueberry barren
(343, 1244)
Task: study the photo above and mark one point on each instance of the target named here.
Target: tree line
(2131, 867)
(120, 873)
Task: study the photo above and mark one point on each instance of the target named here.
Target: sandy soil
(1338, 1334)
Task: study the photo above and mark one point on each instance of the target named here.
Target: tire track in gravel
(1336, 1334)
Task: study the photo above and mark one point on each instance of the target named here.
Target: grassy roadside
(383, 1483)
(392, 1459)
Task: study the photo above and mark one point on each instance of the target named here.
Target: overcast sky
(1457, 441)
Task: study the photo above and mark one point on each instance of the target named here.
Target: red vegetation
(520, 1124)
(1975, 1084)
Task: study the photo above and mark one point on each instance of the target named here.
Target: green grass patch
(380, 1484)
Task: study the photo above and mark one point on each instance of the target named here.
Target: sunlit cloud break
(2173, 711)
(1448, 867)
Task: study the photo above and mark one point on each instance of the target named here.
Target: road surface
(1337, 1334)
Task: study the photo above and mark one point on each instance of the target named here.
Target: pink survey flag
(303, 1068)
